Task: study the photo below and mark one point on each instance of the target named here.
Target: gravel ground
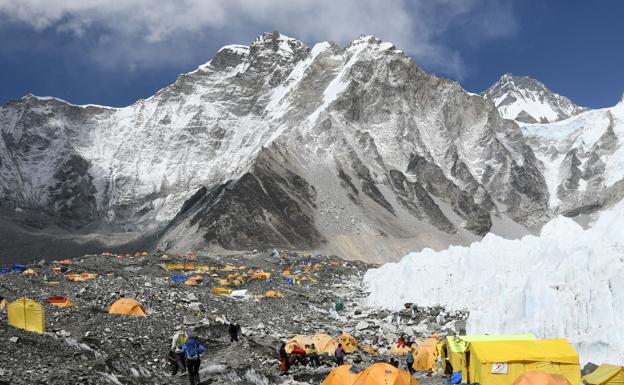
(86, 345)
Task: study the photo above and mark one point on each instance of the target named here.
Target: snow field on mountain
(584, 132)
(566, 282)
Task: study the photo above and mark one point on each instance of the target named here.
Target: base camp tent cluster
(324, 343)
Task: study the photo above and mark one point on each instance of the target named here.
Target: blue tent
(19, 268)
(178, 278)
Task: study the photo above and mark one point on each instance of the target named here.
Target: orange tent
(273, 294)
(192, 281)
(80, 277)
(386, 374)
(60, 302)
(341, 375)
(541, 378)
(127, 306)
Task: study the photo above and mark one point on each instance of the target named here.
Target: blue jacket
(191, 346)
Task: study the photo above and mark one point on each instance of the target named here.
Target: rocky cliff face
(527, 100)
(349, 150)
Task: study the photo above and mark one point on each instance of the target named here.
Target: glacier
(564, 283)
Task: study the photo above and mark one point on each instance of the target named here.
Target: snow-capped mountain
(582, 159)
(527, 100)
(354, 151)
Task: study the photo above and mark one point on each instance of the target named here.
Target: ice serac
(563, 283)
(354, 151)
(527, 100)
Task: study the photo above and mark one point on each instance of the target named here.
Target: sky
(114, 52)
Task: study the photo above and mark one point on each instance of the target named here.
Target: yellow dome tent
(341, 375)
(300, 341)
(349, 343)
(427, 354)
(541, 378)
(606, 375)
(127, 306)
(24, 313)
(325, 343)
(502, 362)
(220, 290)
(382, 373)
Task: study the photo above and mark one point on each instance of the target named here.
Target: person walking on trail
(175, 353)
(234, 329)
(312, 354)
(409, 361)
(339, 355)
(283, 357)
(192, 350)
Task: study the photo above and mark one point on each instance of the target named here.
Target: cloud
(140, 33)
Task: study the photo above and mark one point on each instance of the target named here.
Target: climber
(409, 361)
(339, 355)
(283, 357)
(233, 330)
(192, 350)
(177, 357)
(312, 354)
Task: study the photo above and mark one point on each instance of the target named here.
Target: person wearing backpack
(409, 361)
(192, 350)
(177, 357)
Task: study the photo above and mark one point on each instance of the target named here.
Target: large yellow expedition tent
(456, 347)
(502, 362)
(606, 375)
(127, 306)
(24, 313)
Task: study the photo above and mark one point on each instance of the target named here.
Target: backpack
(192, 352)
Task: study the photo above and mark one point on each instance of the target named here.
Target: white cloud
(137, 32)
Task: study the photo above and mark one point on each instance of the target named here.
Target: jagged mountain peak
(343, 125)
(528, 100)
